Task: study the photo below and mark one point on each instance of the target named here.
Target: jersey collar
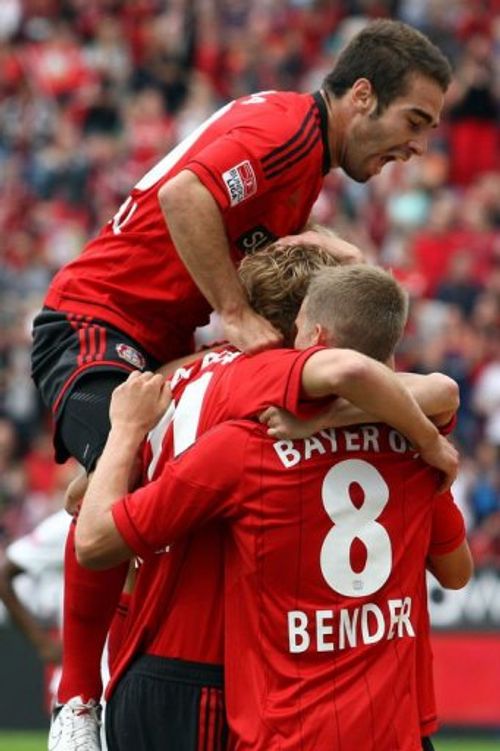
(323, 116)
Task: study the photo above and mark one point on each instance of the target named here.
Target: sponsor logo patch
(255, 238)
(240, 181)
(131, 355)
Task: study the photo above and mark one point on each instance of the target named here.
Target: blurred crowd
(93, 92)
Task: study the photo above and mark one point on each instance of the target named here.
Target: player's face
(398, 133)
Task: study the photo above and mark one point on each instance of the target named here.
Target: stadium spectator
(31, 588)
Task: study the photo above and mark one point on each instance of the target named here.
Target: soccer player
(37, 558)
(111, 546)
(159, 626)
(248, 175)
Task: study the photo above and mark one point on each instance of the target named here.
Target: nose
(418, 146)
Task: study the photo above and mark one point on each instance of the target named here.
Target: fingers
(75, 492)
(271, 418)
(254, 346)
(267, 414)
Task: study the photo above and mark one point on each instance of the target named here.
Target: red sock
(90, 600)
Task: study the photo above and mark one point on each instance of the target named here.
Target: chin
(359, 175)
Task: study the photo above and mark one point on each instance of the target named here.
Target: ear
(363, 96)
(322, 337)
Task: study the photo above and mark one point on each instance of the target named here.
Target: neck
(336, 127)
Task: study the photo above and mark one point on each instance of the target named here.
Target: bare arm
(48, 650)
(452, 570)
(196, 227)
(436, 394)
(378, 391)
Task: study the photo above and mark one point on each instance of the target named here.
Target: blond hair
(361, 307)
(276, 279)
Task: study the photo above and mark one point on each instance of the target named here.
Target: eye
(415, 125)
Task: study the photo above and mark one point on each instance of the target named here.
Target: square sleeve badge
(240, 182)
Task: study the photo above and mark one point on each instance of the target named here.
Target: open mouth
(388, 158)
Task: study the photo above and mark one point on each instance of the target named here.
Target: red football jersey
(262, 157)
(448, 532)
(176, 608)
(327, 540)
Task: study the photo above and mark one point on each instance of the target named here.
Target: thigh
(83, 426)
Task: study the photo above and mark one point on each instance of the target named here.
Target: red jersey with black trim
(176, 609)
(262, 157)
(325, 547)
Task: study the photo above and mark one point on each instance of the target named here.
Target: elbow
(459, 574)
(457, 581)
(87, 550)
(350, 367)
(449, 389)
(86, 557)
(464, 576)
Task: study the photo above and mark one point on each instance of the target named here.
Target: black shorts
(167, 705)
(70, 350)
(427, 744)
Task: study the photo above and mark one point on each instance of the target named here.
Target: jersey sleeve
(251, 384)
(243, 162)
(448, 527)
(449, 427)
(230, 169)
(199, 486)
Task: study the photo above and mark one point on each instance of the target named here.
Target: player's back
(323, 592)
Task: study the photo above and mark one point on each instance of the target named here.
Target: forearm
(197, 230)
(381, 394)
(22, 618)
(96, 535)
(436, 394)
(370, 386)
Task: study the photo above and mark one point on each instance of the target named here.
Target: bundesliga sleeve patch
(240, 182)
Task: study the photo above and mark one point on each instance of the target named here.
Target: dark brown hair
(387, 53)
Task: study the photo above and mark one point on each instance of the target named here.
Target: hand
(442, 455)
(138, 404)
(343, 251)
(250, 332)
(50, 650)
(281, 423)
(75, 492)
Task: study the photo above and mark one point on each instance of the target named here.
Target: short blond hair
(361, 307)
(276, 279)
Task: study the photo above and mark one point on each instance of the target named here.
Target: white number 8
(352, 522)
